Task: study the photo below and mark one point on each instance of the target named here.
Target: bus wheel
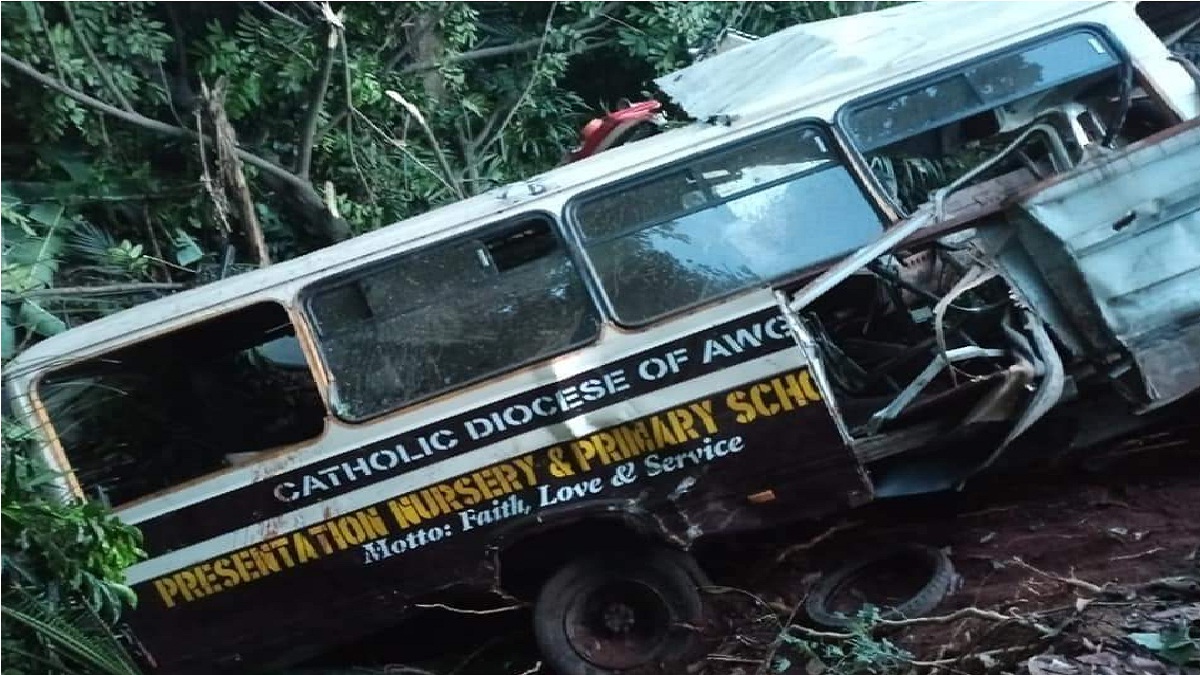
(616, 613)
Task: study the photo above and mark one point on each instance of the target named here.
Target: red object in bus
(630, 123)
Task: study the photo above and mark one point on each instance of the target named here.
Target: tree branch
(487, 128)
(585, 27)
(97, 104)
(533, 78)
(418, 33)
(474, 55)
(308, 133)
(336, 229)
(110, 289)
(290, 19)
(362, 176)
(400, 145)
(451, 178)
(468, 150)
(87, 49)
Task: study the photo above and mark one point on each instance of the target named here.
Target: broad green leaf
(186, 249)
(47, 213)
(35, 318)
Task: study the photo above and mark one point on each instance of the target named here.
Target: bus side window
(448, 315)
(735, 219)
(174, 407)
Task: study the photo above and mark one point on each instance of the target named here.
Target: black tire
(939, 585)
(609, 614)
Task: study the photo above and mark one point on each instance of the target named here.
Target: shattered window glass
(913, 112)
(738, 219)
(648, 202)
(454, 313)
(995, 82)
(1017, 74)
(753, 166)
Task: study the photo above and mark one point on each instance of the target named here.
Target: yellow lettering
(736, 402)
(264, 560)
(584, 453)
(792, 391)
(167, 590)
(404, 513)
(660, 433)
(229, 577)
(606, 447)
(763, 408)
(188, 585)
(449, 497)
(372, 523)
(703, 412)
(559, 466)
(280, 546)
(506, 476)
(525, 464)
(304, 548)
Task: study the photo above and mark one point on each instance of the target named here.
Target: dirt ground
(1066, 561)
(1118, 524)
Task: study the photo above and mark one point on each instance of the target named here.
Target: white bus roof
(848, 56)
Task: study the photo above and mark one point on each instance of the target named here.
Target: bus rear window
(445, 316)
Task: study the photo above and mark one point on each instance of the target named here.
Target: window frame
(580, 241)
(306, 295)
(841, 118)
(41, 408)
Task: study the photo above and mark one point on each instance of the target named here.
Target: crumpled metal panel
(1117, 247)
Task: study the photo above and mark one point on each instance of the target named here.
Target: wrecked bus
(876, 264)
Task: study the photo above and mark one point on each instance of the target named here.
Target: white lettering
(708, 451)
(566, 493)
(286, 492)
(499, 510)
(377, 460)
(479, 428)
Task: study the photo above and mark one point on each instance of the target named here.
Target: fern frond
(78, 636)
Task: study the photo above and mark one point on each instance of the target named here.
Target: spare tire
(902, 581)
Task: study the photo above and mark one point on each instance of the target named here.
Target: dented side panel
(1115, 253)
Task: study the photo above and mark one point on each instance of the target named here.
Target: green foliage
(75, 546)
(63, 569)
(73, 639)
(862, 652)
(486, 121)
(49, 241)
